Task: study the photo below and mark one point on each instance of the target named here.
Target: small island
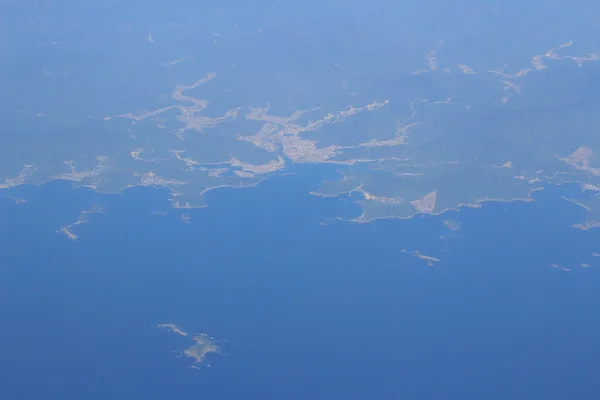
(203, 346)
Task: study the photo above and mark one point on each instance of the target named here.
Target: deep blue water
(302, 310)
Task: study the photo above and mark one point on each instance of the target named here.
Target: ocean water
(303, 306)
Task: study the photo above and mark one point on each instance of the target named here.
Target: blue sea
(303, 306)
